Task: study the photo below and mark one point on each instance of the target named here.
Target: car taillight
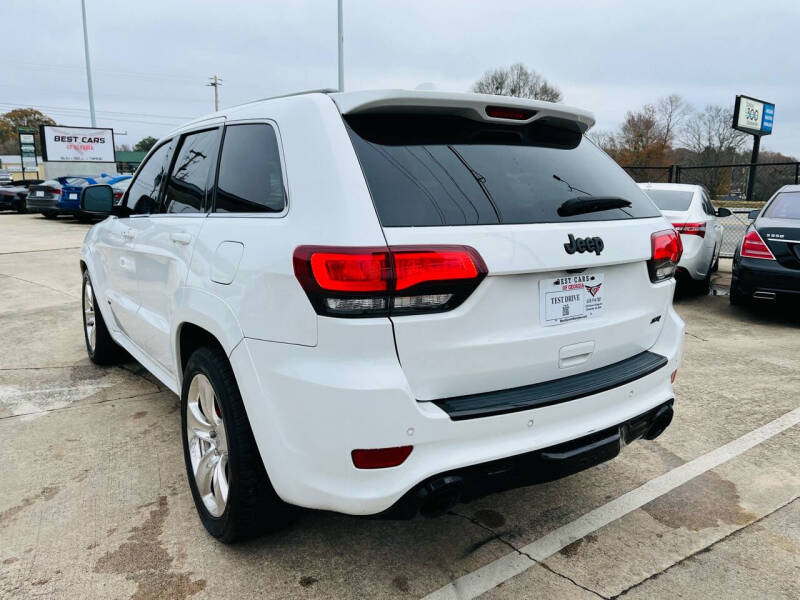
(368, 282)
(53, 190)
(698, 229)
(666, 252)
(754, 247)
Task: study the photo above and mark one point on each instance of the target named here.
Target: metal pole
(88, 65)
(751, 178)
(341, 49)
(796, 173)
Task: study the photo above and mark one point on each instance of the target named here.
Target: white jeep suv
(387, 301)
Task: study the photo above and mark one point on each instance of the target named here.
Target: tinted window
(250, 177)
(188, 182)
(143, 193)
(441, 170)
(785, 206)
(670, 199)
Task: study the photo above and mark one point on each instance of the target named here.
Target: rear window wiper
(589, 204)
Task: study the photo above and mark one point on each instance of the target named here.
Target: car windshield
(670, 199)
(785, 206)
(443, 170)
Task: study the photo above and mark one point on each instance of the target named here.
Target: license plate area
(568, 298)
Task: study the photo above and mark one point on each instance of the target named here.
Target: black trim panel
(555, 391)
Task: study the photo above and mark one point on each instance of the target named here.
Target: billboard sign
(77, 144)
(753, 116)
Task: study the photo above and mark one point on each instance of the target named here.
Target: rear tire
(735, 296)
(237, 501)
(100, 347)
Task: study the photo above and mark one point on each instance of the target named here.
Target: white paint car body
(316, 387)
(702, 238)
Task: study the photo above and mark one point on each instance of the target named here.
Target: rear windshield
(443, 170)
(670, 199)
(785, 206)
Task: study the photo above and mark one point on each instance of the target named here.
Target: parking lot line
(484, 579)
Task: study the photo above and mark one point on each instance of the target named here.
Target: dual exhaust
(763, 295)
(440, 493)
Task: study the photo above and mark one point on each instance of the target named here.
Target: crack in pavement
(79, 405)
(702, 339)
(40, 285)
(42, 250)
(502, 540)
(702, 550)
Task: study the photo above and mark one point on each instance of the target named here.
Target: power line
(83, 110)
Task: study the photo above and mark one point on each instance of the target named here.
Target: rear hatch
(47, 190)
(565, 293)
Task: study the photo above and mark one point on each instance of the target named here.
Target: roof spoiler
(470, 106)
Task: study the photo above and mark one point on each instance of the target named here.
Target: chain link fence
(727, 185)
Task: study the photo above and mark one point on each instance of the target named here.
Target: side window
(250, 177)
(707, 206)
(188, 184)
(143, 193)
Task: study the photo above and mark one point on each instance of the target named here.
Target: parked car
(119, 187)
(396, 301)
(766, 265)
(5, 177)
(12, 197)
(62, 195)
(689, 209)
(71, 192)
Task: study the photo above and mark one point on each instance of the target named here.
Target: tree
(20, 117)
(519, 81)
(144, 144)
(647, 135)
(123, 148)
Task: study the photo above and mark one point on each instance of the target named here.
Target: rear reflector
(666, 252)
(365, 282)
(698, 229)
(504, 112)
(380, 458)
(673, 376)
(754, 247)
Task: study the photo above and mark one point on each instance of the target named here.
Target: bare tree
(671, 112)
(519, 81)
(710, 136)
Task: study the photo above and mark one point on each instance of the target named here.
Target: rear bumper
(753, 275)
(309, 407)
(42, 204)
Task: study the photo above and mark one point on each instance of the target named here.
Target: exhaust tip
(763, 295)
(661, 421)
(440, 495)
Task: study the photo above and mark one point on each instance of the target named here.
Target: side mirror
(97, 200)
(753, 215)
(723, 212)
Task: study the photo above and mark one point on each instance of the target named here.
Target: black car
(12, 197)
(766, 265)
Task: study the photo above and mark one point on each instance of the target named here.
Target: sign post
(27, 150)
(754, 117)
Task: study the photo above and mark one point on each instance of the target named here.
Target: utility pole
(88, 65)
(341, 49)
(216, 82)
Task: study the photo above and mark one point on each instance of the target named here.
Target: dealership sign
(77, 144)
(753, 116)
(27, 149)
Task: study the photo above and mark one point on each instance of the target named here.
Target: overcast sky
(151, 60)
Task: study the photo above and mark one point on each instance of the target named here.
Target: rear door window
(785, 206)
(674, 200)
(250, 177)
(427, 170)
(188, 184)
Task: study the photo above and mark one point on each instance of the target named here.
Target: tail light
(369, 282)
(504, 112)
(666, 252)
(698, 229)
(52, 190)
(754, 247)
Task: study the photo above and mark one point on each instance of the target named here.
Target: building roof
(130, 156)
